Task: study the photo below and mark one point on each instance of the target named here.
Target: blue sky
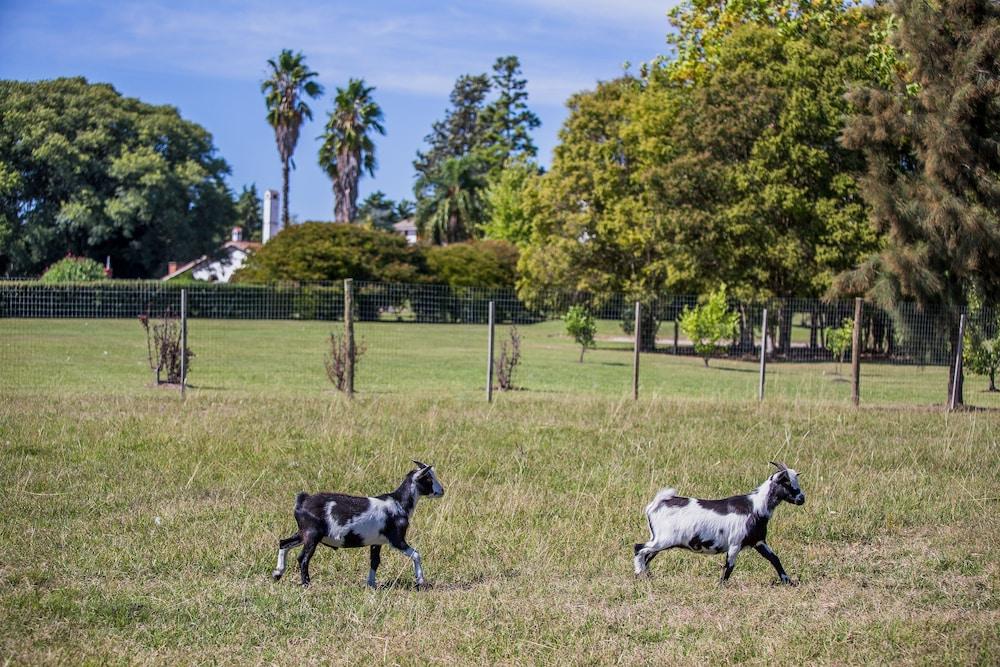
(208, 59)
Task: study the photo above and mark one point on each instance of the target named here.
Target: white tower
(272, 218)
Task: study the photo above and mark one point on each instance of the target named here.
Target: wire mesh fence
(432, 340)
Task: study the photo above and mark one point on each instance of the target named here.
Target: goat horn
(779, 466)
(421, 465)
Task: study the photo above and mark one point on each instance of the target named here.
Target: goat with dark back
(341, 521)
(727, 526)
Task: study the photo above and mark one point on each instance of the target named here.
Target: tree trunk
(705, 359)
(284, 193)
(648, 326)
(583, 348)
(993, 379)
(785, 328)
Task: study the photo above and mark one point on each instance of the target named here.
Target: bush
(838, 340)
(709, 323)
(474, 264)
(507, 362)
(73, 270)
(981, 352)
(336, 360)
(317, 251)
(163, 348)
(581, 325)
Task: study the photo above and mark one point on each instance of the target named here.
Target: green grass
(528, 553)
(286, 357)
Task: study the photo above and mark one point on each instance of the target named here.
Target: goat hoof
(276, 576)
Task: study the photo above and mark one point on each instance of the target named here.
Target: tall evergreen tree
(348, 149)
(508, 121)
(932, 143)
(461, 131)
(289, 81)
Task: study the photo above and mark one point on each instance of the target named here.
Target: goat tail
(299, 499)
(661, 495)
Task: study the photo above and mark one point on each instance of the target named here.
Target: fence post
(489, 356)
(956, 377)
(349, 333)
(763, 356)
(184, 340)
(856, 354)
(635, 353)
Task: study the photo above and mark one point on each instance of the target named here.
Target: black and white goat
(342, 521)
(724, 526)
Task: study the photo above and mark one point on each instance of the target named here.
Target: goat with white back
(724, 526)
(342, 521)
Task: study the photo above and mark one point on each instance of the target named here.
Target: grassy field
(286, 357)
(138, 528)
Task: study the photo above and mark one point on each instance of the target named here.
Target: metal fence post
(489, 355)
(763, 356)
(349, 333)
(635, 353)
(956, 377)
(184, 340)
(856, 354)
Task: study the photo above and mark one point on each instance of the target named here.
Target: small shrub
(580, 324)
(335, 360)
(72, 269)
(709, 323)
(505, 365)
(981, 353)
(838, 340)
(163, 348)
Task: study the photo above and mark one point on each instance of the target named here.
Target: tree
(461, 132)
(348, 149)
(84, 170)
(839, 339)
(382, 213)
(74, 270)
(512, 202)
(591, 225)
(289, 81)
(709, 323)
(250, 213)
(981, 351)
(314, 251)
(581, 326)
(930, 141)
(452, 208)
(507, 120)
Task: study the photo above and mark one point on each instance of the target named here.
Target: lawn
(137, 527)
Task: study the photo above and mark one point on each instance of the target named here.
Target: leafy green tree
(86, 171)
(932, 163)
(709, 323)
(289, 81)
(838, 340)
(453, 207)
(381, 212)
(250, 213)
(981, 354)
(314, 251)
(348, 149)
(74, 270)
(508, 121)
(581, 326)
(474, 264)
(512, 201)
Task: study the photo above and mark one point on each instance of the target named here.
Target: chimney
(272, 219)
(237, 233)
(171, 267)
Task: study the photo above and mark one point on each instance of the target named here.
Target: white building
(220, 267)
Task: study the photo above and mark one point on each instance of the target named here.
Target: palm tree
(452, 206)
(290, 80)
(348, 148)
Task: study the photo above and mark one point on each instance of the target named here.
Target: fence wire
(431, 339)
